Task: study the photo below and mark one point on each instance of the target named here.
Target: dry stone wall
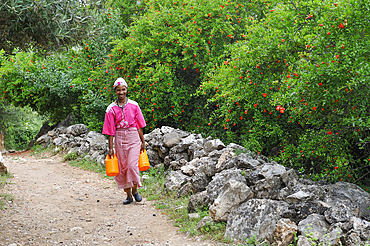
(254, 195)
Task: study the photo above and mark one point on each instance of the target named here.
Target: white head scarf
(119, 81)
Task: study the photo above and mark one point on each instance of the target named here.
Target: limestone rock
(205, 221)
(290, 178)
(340, 213)
(361, 227)
(97, 141)
(188, 169)
(171, 139)
(193, 216)
(301, 210)
(353, 239)
(186, 142)
(214, 187)
(272, 169)
(333, 237)
(199, 180)
(284, 232)
(298, 197)
(177, 165)
(225, 156)
(232, 195)
(214, 144)
(3, 168)
(314, 224)
(267, 188)
(77, 129)
(351, 195)
(196, 150)
(197, 201)
(153, 157)
(246, 161)
(255, 217)
(185, 190)
(303, 241)
(174, 180)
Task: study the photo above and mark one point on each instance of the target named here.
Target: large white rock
(233, 194)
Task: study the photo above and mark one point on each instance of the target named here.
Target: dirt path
(57, 204)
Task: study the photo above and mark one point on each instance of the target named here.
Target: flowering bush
(294, 89)
(286, 80)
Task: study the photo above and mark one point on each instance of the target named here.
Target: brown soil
(57, 204)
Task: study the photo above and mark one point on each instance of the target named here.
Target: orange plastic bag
(143, 161)
(111, 166)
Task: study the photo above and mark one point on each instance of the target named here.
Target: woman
(124, 120)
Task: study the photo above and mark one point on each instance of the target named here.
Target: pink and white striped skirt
(127, 143)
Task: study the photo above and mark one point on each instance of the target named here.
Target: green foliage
(20, 126)
(46, 24)
(286, 80)
(167, 56)
(293, 89)
(71, 156)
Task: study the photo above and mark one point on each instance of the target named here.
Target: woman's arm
(142, 147)
(111, 151)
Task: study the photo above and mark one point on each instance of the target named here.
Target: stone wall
(256, 196)
(252, 194)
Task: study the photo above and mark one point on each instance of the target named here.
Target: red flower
(228, 120)
(335, 168)
(328, 33)
(264, 95)
(329, 133)
(314, 108)
(320, 24)
(255, 105)
(341, 25)
(320, 84)
(241, 117)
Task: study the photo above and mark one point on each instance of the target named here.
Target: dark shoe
(128, 201)
(137, 197)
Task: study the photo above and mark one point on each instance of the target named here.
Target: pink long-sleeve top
(115, 117)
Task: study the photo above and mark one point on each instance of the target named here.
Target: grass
(176, 208)
(166, 203)
(4, 198)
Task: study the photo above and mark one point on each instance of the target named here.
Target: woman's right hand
(111, 153)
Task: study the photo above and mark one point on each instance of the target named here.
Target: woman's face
(121, 92)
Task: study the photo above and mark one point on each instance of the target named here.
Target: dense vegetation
(288, 80)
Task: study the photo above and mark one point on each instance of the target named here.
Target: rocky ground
(57, 204)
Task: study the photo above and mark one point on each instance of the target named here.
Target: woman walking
(124, 120)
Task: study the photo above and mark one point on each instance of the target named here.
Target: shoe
(128, 201)
(137, 197)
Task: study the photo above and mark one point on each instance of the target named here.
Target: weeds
(4, 198)
(175, 208)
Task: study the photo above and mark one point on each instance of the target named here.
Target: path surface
(57, 204)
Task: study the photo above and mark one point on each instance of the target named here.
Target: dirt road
(57, 204)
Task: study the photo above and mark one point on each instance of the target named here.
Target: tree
(45, 24)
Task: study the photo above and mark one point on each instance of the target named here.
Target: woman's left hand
(142, 147)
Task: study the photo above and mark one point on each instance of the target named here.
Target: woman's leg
(128, 192)
(134, 189)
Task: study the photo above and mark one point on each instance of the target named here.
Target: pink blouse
(115, 117)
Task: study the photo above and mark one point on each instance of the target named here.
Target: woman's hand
(111, 153)
(142, 147)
